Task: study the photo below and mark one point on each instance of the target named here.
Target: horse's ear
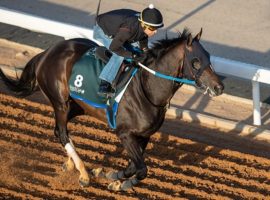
(198, 36)
(189, 40)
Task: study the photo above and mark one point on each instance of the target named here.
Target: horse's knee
(141, 173)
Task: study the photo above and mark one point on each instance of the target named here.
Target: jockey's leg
(111, 68)
(100, 36)
(108, 75)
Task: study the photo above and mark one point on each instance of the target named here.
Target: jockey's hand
(139, 58)
(145, 50)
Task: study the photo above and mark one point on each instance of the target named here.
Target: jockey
(118, 28)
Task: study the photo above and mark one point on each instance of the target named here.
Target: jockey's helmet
(151, 17)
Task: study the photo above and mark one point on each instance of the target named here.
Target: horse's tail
(27, 83)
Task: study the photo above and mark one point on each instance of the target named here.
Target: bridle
(188, 62)
(180, 78)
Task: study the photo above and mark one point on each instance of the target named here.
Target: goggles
(151, 28)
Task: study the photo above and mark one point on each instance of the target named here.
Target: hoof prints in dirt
(31, 160)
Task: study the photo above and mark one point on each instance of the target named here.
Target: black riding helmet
(151, 17)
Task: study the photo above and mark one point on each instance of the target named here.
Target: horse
(142, 109)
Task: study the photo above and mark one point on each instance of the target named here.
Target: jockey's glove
(145, 50)
(138, 58)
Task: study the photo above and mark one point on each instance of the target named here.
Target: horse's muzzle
(215, 90)
(218, 89)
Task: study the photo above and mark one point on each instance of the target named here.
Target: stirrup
(107, 95)
(107, 92)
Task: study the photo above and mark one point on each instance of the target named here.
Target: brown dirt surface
(31, 159)
(185, 160)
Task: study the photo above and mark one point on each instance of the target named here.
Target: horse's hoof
(67, 167)
(98, 173)
(128, 184)
(115, 186)
(114, 175)
(83, 182)
(125, 185)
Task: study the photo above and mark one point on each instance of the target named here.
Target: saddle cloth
(84, 85)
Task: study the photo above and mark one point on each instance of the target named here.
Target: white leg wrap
(72, 153)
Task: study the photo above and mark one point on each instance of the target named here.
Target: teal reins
(171, 78)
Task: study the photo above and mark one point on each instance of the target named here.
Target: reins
(167, 77)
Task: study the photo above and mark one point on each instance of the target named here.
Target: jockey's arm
(118, 42)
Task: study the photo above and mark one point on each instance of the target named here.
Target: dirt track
(31, 160)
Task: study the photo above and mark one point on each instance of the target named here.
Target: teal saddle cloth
(84, 85)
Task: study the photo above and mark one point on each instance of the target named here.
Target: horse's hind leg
(64, 110)
(72, 154)
(62, 107)
(62, 116)
(74, 111)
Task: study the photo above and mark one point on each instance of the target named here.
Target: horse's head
(197, 66)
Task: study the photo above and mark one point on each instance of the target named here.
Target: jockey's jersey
(122, 26)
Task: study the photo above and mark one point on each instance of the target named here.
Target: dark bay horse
(142, 109)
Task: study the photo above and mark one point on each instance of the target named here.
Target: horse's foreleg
(123, 174)
(131, 168)
(135, 147)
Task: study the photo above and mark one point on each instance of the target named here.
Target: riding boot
(106, 89)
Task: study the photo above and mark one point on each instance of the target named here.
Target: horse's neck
(159, 91)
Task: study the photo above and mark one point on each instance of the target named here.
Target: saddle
(84, 81)
(124, 72)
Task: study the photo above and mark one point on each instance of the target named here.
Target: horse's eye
(196, 63)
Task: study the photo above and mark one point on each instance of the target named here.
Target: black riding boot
(106, 89)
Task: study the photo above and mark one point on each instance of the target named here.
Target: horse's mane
(162, 46)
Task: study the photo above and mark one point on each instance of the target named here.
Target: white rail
(254, 73)
(43, 25)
